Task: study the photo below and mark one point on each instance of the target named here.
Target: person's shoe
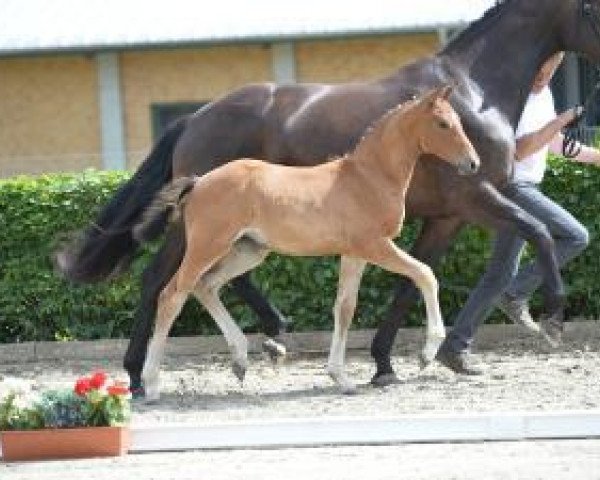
(459, 362)
(517, 311)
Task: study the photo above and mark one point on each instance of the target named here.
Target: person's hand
(578, 112)
(572, 116)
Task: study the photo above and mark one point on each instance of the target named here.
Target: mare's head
(579, 25)
(439, 131)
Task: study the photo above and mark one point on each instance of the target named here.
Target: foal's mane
(490, 16)
(377, 126)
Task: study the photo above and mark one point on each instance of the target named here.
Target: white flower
(23, 390)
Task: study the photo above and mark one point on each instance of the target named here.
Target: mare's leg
(433, 240)
(244, 255)
(199, 256)
(162, 267)
(272, 320)
(351, 270)
(387, 255)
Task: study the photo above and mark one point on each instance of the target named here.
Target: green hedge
(35, 304)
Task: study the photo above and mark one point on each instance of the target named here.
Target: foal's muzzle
(468, 165)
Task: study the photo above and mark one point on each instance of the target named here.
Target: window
(163, 114)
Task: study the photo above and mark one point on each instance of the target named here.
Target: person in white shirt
(503, 283)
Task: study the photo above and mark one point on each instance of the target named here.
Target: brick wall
(49, 118)
(48, 114)
(346, 60)
(193, 75)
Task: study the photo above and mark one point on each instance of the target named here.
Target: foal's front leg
(351, 270)
(235, 338)
(387, 255)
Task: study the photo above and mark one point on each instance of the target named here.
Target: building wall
(48, 114)
(346, 60)
(187, 75)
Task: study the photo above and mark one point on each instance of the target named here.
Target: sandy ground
(522, 374)
(548, 460)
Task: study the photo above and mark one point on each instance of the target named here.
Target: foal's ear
(434, 94)
(446, 91)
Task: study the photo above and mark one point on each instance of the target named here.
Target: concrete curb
(313, 432)
(489, 336)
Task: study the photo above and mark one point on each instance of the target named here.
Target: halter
(573, 134)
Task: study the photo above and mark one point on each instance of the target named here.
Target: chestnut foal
(352, 206)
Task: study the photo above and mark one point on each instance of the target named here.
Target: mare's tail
(166, 207)
(107, 247)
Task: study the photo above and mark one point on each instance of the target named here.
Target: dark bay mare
(492, 65)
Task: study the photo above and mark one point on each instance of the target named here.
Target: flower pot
(53, 443)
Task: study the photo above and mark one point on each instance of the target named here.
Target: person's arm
(587, 155)
(532, 142)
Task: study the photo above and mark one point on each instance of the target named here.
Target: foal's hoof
(150, 389)
(150, 397)
(427, 355)
(384, 380)
(424, 361)
(274, 349)
(552, 329)
(239, 370)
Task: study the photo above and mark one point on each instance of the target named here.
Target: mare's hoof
(552, 329)
(384, 380)
(239, 370)
(274, 349)
(138, 393)
(349, 389)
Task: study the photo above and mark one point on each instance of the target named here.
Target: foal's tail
(165, 208)
(107, 247)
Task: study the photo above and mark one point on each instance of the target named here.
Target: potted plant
(87, 420)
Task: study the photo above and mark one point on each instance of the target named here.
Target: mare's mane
(490, 16)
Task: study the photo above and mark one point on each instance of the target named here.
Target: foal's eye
(443, 124)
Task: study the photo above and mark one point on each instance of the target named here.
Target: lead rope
(573, 135)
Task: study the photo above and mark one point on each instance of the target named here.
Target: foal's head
(439, 131)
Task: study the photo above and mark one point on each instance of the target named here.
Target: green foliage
(577, 188)
(35, 304)
(62, 409)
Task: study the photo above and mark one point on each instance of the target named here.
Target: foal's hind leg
(244, 255)
(170, 301)
(387, 255)
(155, 277)
(351, 270)
(198, 259)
